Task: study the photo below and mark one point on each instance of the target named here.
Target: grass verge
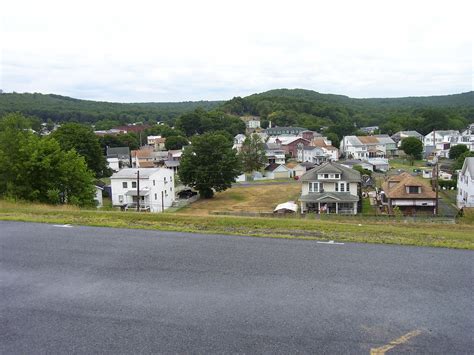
(353, 230)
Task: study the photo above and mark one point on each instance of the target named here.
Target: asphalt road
(100, 290)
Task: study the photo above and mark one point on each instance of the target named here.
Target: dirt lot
(253, 198)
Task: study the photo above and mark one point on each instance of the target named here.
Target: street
(72, 289)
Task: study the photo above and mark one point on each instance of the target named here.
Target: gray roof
(131, 173)
(117, 152)
(347, 174)
(353, 140)
(329, 197)
(469, 165)
(384, 139)
(172, 163)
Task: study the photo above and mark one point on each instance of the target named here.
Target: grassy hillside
(62, 108)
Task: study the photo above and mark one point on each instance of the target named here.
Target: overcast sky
(136, 51)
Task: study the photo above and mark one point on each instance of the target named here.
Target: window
(348, 187)
(314, 187)
(124, 185)
(153, 182)
(156, 197)
(134, 184)
(171, 179)
(337, 176)
(412, 189)
(336, 187)
(342, 187)
(164, 180)
(326, 176)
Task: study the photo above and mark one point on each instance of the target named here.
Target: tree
(209, 164)
(252, 153)
(85, 142)
(176, 142)
(460, 160)
(413, 147)
(457, 150)
(36, 169)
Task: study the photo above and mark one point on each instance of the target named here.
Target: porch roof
(329, 197)
(134, 193)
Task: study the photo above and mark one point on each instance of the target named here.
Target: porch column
(337, 207)
(355, 207)
(319, 207)
(302, 205)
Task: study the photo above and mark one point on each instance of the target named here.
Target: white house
(312, 154)
(440, 144)
(330, 188)
(465, 196)
(156, 188)
(401, 135)
(364, 147)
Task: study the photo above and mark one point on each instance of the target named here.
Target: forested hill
(342, 115)
(63, 108)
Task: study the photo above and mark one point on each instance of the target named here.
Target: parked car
(188, 193)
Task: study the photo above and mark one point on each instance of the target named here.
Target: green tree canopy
(460, 160)
(457, 150)
(36, 169)
(413, 147)
(176, 142)
(209, 164)
(85, 142)
(252, 153)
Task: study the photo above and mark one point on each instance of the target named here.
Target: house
(309, 135)
(438, 143)
(350, 163)
(277, 171)
(274, 153)
(390, 145)
(143, 158)
(411, 195)
(327, 147)
(465, 196)
(330, 188)
(278, 131)
(251, 123)
(156, 188)
(175, 154)
(466, 137)
(296, 170)
(311, 154)
(118, 157)
(290, 146)
(157, 142)
(364, 147)
(369, 129)
(401, 135)
(238, 141)
(380, 164)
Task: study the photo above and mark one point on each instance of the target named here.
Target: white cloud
(192, 50)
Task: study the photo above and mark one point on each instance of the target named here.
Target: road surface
(100, 290)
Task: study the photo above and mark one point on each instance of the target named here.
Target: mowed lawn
(247, 198)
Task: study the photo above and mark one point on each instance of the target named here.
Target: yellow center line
(403, 339)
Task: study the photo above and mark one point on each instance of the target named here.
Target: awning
(329, 197)
(134, 193)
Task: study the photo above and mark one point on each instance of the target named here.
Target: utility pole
(138, 190)
(162, 202)
(436, 177)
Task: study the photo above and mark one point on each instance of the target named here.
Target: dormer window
(413, 189)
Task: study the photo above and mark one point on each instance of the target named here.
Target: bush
(448, 184)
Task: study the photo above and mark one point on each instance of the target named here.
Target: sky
(161, 51)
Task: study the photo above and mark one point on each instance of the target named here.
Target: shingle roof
(400, 182)
(348, 174)
(118, 152)
(131, 173)
(368, 139)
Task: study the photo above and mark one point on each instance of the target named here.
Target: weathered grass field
(357, 229)
(249, 198)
